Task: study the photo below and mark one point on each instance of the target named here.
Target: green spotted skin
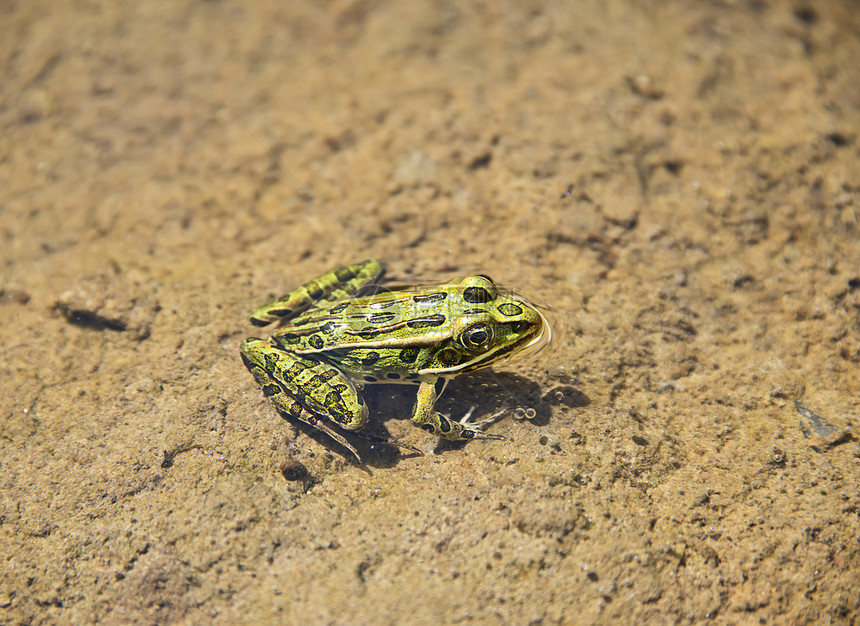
(330, 287)
(336, 333)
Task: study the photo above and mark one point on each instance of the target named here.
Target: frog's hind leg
(327, 288)
(265, 363)
(289, 407)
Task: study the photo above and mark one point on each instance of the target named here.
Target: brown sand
(701, 264)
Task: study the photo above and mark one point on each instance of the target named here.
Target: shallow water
(676, 182)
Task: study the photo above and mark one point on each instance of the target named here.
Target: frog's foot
(425, 418)
(321, 426)
(437, 424)
(484, 422)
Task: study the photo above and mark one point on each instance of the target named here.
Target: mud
(677, 183)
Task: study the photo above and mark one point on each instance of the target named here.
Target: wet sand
(676, 183)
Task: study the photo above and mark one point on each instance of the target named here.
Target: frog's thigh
(293, 383)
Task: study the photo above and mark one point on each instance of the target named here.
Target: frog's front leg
(426, 418)
(304, 388)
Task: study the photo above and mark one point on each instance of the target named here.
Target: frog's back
(415, 334)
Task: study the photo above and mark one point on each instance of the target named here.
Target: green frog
(339, 332)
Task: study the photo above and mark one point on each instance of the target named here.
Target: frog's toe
(471, 433)
(474, 430)
(484, 422)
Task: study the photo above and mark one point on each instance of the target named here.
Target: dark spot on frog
(426, 322)
(449, 357)
(370, 358)
(476, 295)
(409, 355)
(344, 274)
(430, 298)
(510, 310)
(380, 318)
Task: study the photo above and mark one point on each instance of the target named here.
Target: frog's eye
(477, 336)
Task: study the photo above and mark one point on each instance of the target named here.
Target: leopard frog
(337, 333)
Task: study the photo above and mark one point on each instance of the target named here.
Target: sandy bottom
(677, 183)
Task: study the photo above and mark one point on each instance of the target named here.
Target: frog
(341, 331)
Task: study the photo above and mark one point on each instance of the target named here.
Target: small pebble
(293, 470)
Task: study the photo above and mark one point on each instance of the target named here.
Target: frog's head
(486, 326)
